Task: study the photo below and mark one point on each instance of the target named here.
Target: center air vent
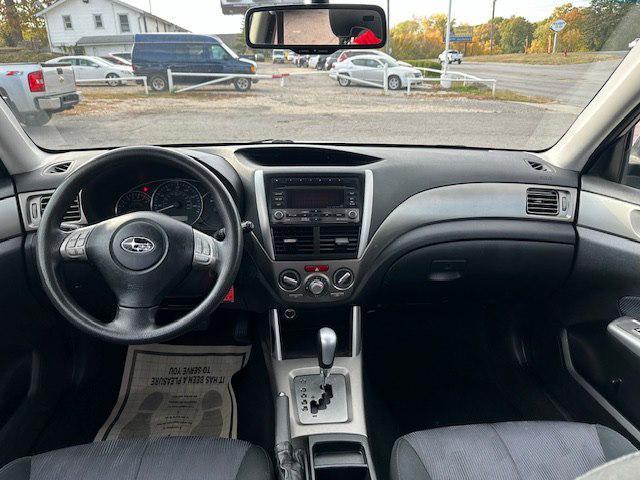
(339, 240)
(73, 213)
(58, 168)
(293, 241)
(326, 242)
(542, 201)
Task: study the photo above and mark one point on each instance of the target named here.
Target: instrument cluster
(184, 200)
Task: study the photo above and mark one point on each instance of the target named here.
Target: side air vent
(542, 201)
(73, 212)
(58, 168)
(339, 240)
(292, 241)
(538, 166)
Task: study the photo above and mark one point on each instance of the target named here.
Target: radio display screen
(315, 197)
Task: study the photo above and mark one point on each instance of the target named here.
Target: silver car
(370, 69)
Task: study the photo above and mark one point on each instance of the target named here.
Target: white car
(95, 68)
(451, 56)
(345, 54)
(635, 43)
(371, 68)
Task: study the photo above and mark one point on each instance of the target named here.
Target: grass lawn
(479, 92)
(545, 58)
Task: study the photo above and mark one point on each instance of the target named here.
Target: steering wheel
(142, 255)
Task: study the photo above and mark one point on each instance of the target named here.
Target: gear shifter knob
(327, 342)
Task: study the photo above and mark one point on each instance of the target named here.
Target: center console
(316, 368)
(314, 228)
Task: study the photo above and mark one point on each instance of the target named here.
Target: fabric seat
(155, 459)
(506, 451)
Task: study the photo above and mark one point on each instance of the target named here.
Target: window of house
(97, 19)
(123, 18)
(66, 20)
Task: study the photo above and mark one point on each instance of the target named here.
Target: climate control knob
(289, 280)
(316, 286)
(343, 278)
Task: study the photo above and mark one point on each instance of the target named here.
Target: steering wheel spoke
(137, 320)
(74, 244)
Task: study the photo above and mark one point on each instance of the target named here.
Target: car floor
(430, 367)
(95, 375)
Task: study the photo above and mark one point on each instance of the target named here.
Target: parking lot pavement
(572, 85)
(310, 107)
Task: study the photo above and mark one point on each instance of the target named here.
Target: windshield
(507, 74)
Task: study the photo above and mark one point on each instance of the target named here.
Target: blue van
(154, 53)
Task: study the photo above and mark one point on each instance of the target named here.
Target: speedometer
(178, 199)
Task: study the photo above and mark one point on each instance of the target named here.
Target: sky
(205, 16)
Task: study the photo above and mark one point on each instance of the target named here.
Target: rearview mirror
(316, 28)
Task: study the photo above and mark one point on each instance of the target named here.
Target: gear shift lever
(327, 341)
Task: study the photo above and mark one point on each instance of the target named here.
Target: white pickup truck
(35, 92)
(451, 56)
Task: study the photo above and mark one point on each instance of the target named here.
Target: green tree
(11, 28)
(514, 34)
(438, 22)
(610, 23)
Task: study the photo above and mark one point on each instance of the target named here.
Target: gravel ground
(310, 107)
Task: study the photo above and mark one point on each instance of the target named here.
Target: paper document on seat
(176, 390)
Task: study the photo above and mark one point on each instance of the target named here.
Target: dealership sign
(558, 25)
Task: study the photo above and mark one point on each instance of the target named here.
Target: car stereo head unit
(304, 200)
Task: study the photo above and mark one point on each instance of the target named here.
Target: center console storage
(340, 457)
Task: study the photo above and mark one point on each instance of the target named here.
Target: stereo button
(278, 215)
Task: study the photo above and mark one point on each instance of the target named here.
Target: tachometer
(178, 199)
(133, 202)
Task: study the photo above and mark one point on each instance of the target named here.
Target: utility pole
(493, 16)
(447, 41)
(389, 50)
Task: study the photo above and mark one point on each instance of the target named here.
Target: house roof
(105, 40)
(117, 2)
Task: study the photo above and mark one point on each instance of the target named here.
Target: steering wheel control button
(289, 280)
(316, 286)
(73, 247)
(203, 249)
(138, 245)
(343, 279)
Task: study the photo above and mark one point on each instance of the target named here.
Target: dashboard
(339, 225)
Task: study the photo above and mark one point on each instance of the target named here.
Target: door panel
(32, 361)
(604, 285)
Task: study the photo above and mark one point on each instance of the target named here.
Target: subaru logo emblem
(137, 245)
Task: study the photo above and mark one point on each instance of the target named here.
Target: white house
(98, 27)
